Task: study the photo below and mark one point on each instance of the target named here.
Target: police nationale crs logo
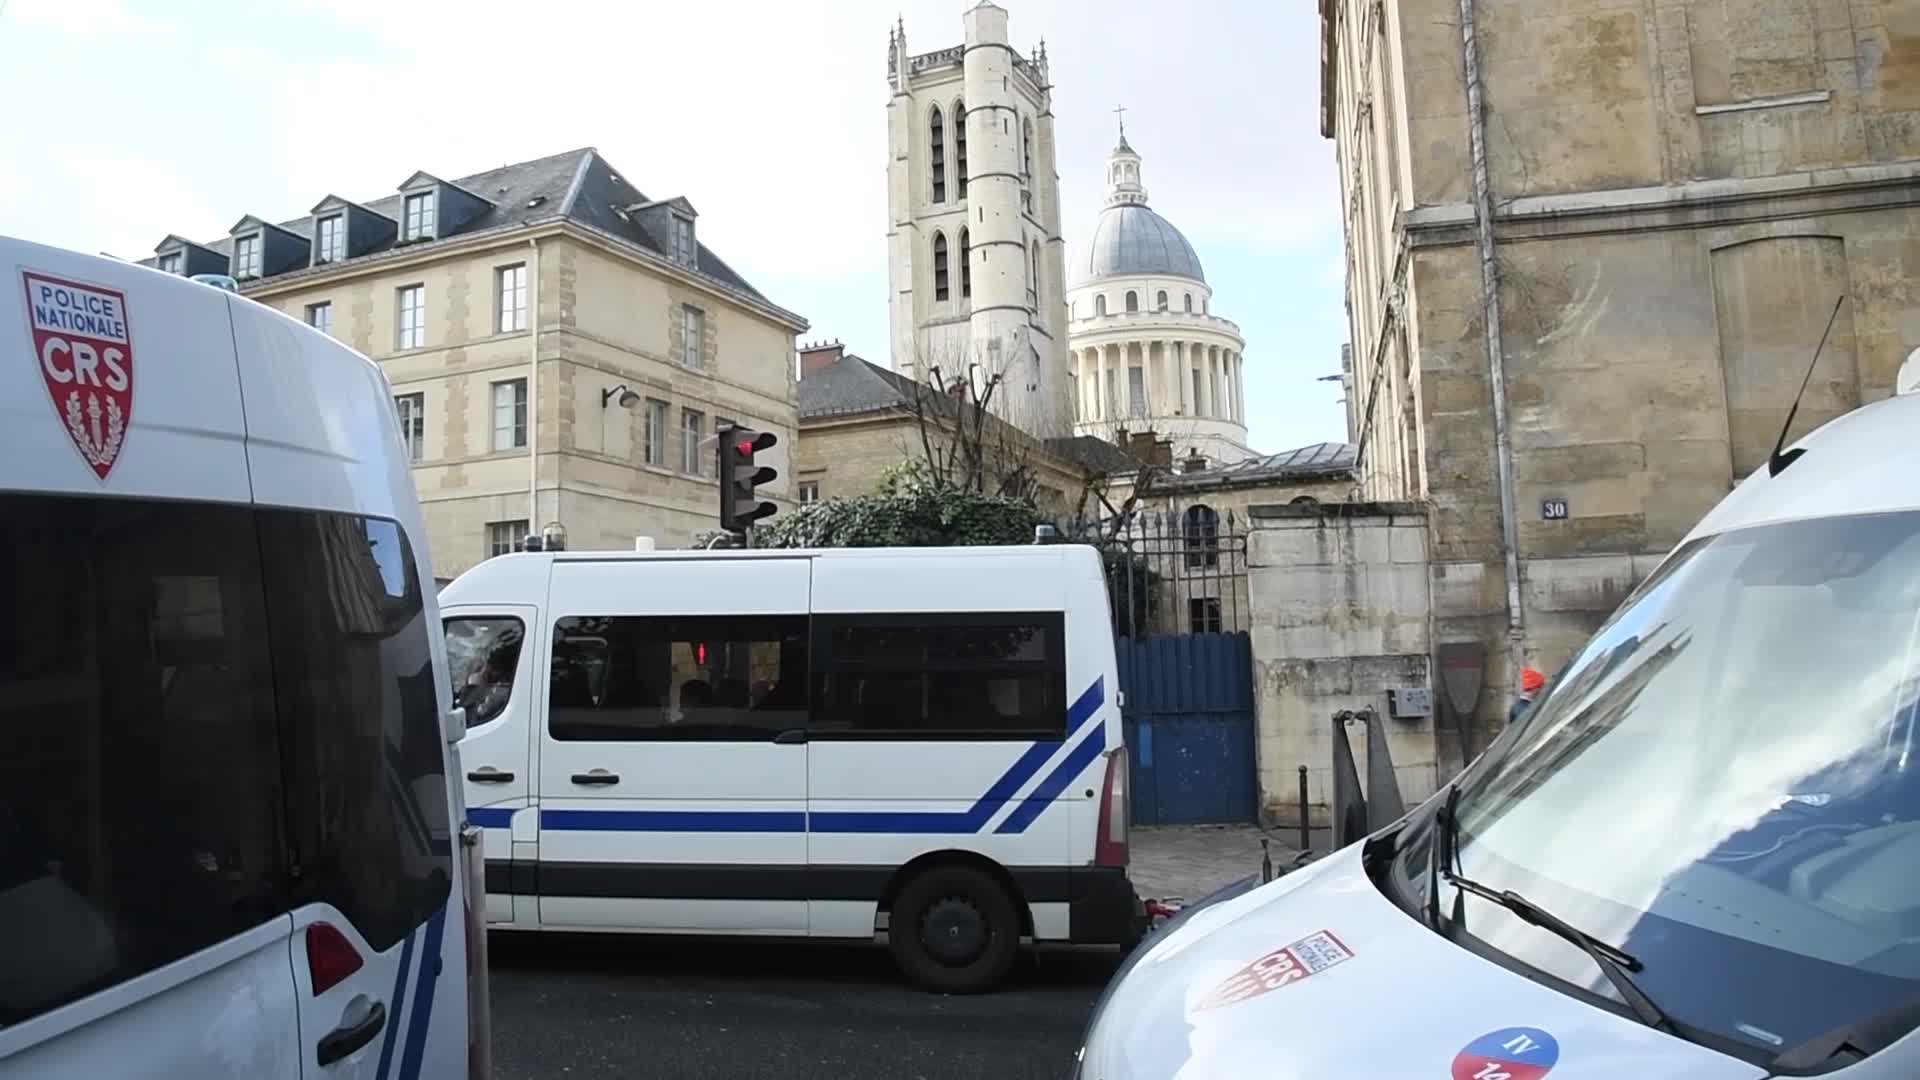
(85, 350)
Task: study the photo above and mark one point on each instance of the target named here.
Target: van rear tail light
(331, 958)
(1110, 846)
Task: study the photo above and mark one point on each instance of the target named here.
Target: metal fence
(1179, 572)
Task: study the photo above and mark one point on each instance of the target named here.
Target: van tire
(954, 930)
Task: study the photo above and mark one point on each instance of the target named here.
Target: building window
(1026, 147)
(1200, 535)
(656, 435)
(809, 492)
(320, 317)
(328, 245)
(1033, 277)
(1189, 303)
(693, 335)
(1203, 615)
(684, 251)
(684, 678)
(940, 291)
(947, 676)
(418, 224)
(412, 323)
(966, 265)
(170, 263)
(505, 537)
(1160, 301)
(1100, 305)
(412, 411)
(246, 257)
(1136, 391)
(692, 426)
(960, 145)
(1133, 301)
(510, 297)
(937, 154)
(510, 414)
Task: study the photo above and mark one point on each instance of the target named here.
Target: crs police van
(920, 743)
(1697, 857)
(228, 847)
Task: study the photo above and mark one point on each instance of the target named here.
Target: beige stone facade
(550, 368)
(1680, 191)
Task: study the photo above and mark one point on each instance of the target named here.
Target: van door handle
(490, 776)
(791, 737)
(598, 776)
(347, 1038)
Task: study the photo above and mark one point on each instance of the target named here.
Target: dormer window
(685, 252)
(418, 222)
(170, 263)
(246, 256)
(329, 241)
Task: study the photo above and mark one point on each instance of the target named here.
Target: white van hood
(1364, 991)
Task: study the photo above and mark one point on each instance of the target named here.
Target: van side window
(687, 679)
(359, 720)
(483, 654)
(940, 676)
(140, 790)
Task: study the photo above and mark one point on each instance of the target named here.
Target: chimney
(1149, 449)
(1194, 463)
(820, 356)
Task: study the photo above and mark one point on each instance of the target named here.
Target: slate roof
(579, 186)
(1320, 460)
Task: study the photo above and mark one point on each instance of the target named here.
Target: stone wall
(1341, 612)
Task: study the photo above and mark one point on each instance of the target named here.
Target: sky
(138, 118)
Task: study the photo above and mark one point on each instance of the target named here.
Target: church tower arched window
(1189, 303)
(960, 145)
(937, 154)
(1026, 147)
(1033, 278)
(940, 292)
(1160, 302)
(1133, 301)
(1100, 305)
(966, 264)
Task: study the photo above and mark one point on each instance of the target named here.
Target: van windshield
(1724, 783)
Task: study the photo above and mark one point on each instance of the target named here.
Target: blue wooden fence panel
(1188, 716)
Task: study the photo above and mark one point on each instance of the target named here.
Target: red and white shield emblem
(84, 345)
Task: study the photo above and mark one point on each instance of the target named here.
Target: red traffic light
(744, 447)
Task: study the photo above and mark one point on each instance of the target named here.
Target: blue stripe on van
(398, 998)
(1056, 782)
(423, 995)
(492, 817)
(971, 820)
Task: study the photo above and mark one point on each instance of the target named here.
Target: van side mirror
(454, 724)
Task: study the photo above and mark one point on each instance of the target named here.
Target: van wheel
(954, 930)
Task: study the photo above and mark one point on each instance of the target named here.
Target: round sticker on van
(1515, 1053)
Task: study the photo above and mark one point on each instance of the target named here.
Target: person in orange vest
(1530, 683)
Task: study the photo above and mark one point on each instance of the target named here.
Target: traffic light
(739, 476)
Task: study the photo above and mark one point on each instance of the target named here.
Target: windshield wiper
(1850, 1042)
(1614, 962)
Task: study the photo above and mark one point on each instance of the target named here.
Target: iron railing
(1178, 572)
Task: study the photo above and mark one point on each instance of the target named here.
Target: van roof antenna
(1782, 457)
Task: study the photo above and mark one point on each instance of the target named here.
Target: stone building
(1148, 352)
(1672, 196)
(975, 260)
(561, 347)
(858, 419)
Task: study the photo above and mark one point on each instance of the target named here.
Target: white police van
(227, 843)
(924, 743)
(1697, 857)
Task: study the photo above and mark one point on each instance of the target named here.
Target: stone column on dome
(1182, 379)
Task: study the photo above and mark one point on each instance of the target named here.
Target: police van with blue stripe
(228, 847)
(920, 745)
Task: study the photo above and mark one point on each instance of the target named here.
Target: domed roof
(1131, 239)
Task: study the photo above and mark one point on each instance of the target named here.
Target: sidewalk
(1190, 861)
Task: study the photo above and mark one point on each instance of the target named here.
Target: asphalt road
(612, 1006)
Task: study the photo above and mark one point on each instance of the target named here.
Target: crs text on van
(228, 847)
(924, 743)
